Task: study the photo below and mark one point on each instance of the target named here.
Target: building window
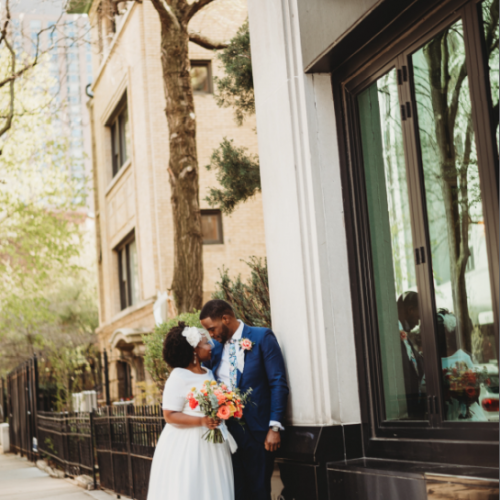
(128, 273)
(422, 171)
(211, 227)
(201, 76)
(120, 137)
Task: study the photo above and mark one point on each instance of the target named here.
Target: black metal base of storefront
(327, 463)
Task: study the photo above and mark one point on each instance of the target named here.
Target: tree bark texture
(187, 284)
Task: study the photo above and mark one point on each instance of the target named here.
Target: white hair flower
(192, 335)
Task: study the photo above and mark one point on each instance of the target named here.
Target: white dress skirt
(186, 466)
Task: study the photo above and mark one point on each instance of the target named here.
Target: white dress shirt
(225, 366)
(223, 372)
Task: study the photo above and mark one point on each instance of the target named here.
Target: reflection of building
(69, 65)
(353, 151)
(133, 210)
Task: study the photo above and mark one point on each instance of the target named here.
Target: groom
(249, 357)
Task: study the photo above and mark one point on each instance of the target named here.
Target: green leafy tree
(237, 172)
(235, 89)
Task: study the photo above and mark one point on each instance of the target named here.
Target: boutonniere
(246, 344)
(403, 335)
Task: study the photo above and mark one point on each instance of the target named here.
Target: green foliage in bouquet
(153, 357)
(250, 300)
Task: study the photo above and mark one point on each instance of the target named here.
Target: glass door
(392, 248)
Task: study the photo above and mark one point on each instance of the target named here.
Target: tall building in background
(69, 50)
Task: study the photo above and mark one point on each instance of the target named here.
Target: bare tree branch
(194, 8)
(10, 116)
(206, 42)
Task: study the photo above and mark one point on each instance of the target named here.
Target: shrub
(153, 358)
(250, 300)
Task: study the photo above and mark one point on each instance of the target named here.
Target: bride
(185, 466)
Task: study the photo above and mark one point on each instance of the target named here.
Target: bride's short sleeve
(174, 393)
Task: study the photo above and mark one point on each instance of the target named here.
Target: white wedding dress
(185, 466)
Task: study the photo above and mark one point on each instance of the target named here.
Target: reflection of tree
(453, 146)
(490, 18)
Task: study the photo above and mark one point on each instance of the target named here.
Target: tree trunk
(187, 284)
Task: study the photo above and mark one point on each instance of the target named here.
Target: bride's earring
(195, 362)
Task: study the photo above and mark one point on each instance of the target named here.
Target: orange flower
(224, 413)
(238, 414)
(193, 403)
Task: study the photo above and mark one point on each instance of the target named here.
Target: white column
(303, 215)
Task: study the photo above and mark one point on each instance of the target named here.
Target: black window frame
(205, 63)
(436, 440)
(125, 286)
(218, 213)
(116, 124)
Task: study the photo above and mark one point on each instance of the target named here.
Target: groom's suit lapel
(246, 334)
(218, 359)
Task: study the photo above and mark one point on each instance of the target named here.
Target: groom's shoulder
(259, 332)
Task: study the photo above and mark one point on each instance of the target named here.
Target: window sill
(118, 176)
(128, 310)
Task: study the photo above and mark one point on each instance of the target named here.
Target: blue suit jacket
(264, 372)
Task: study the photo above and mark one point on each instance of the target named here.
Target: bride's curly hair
(177, 352)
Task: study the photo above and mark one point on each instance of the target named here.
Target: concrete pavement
(21, 480)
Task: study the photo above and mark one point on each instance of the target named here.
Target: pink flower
(224, 412)
(238, 414)
(246, 344)
(221, 398)
(403, 335)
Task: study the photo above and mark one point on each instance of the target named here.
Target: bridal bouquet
(217, 401)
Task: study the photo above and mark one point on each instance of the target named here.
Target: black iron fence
(113, 444)
(3, 400)
(68, 438)
(22, 394)
(126, 438)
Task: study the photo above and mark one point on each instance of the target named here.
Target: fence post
(129, 450)
(35, 401)
(92, 447)
(108, 409)
(106, 378)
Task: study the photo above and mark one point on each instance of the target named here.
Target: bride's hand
(210, 423)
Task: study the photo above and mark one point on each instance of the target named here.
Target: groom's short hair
(215, 309)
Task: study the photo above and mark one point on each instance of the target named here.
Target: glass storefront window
(397, 297)
(465, 330)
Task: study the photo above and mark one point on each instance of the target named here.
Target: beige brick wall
(138, 198)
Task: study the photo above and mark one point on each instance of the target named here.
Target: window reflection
(456, 227)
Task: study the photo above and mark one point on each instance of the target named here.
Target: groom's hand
(273, 440)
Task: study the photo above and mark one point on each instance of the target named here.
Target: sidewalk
(21, 480)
